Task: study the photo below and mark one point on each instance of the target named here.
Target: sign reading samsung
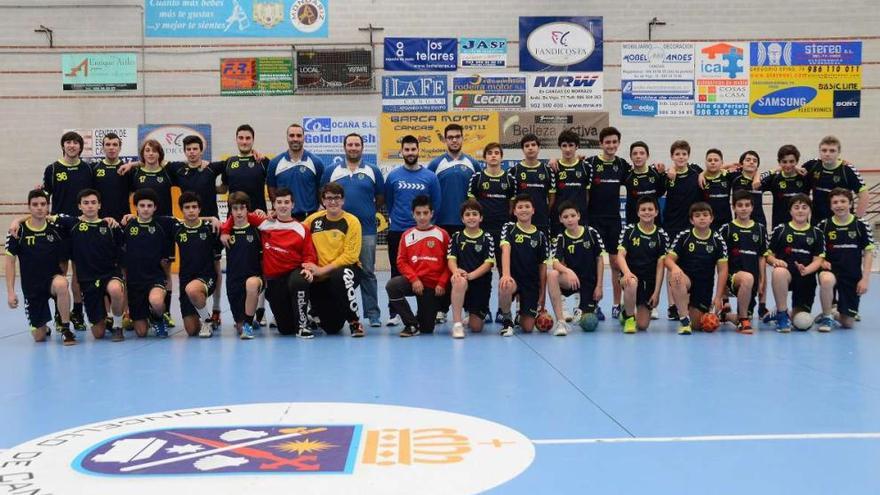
(560, 44)
(421, 54)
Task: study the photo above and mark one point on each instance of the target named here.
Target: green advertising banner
(98, 71)
(262, 76)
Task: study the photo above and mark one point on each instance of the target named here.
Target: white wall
(33, 115)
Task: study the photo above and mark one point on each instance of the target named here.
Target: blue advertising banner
(236, 18)
(170, 137)
(325, 137)
(560, 44)
(488, 92)
(482, 52)
(781, 53)
(421, 54)
(427, 93)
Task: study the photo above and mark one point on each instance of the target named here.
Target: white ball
(802, 321)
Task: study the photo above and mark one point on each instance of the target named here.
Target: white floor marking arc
(713, 438)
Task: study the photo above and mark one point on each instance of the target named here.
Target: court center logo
(310, 447)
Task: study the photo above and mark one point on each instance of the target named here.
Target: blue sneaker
(499, 318)
(375, 322)
(783, 322)
(599, 314)
(826, 323)
(159, 326)
(615, 313)
(247, 331)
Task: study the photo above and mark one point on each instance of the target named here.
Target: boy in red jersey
(421, 260)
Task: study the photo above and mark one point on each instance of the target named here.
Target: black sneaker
(305, 333)
(409, 331)
(78, 322)
(67, 337)
(118, 335)
(108, 322)
(672, 313)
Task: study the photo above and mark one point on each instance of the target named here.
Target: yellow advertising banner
(480, 129)
(813, 92)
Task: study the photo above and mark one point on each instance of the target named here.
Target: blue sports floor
(607, 413)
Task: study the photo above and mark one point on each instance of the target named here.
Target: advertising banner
(421, 54)
(560, 44)
(98, 71)
(236, 18)
(659, 73)
(93, 142)
(722, 77)
(170, 136)
(480, 129)
(547, 126)
(333, 70)
(261, 76)
(488, 92)
(325, 137)
(426, 93)
(566, 91)
(814, 80)
(482, 52)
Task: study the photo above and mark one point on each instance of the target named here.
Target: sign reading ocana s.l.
(805, 79)
(480, 129)
(296, 447)
(325, 137)
(560, 44)
(98, 71)
(237, 18)
(170, 137)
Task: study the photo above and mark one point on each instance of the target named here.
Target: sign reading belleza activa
(98, 71)
(560, 44)
(236, 18)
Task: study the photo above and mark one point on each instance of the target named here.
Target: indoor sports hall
(594, 411)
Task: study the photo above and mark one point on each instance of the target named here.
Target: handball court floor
(608, 413)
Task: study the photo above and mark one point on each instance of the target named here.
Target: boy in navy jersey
(608, 172)
(795, 252)
(694, 255)
(199, 250)
(244, 281)
(743, 179)
(716, 188)
(828, 172)
(576, 266)
(494, 189)
(846, 270)
(470, 258)
(37, 247)
(424, 273)
(572, 179)
(784, 183)
(746, 242)
(682, 191)
(108, 181)
(524, 252)
(146, 249)
(642, 180)
(641, 254)
(246, 172)
(63, 179)
(533, 177)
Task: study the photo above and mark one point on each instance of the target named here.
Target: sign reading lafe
(805, 79)
(560, 44)
(236, 18)
(262, 76)
(98, 71)
(423, 93)
(421, 54)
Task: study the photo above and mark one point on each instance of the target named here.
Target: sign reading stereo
(421, 54)
(560, 44)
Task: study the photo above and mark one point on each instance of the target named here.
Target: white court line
(713, 438)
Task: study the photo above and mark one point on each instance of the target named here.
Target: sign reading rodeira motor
(560, 44)
(485, 92)
(236, 18)
(814, 80)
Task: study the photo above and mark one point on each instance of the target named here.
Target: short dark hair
(409, 138)
(523, 198)
(680, 144)
(698, 207)
(283, 191)
(245, 127)
(639, 144)
(568, 136)
(111, 135)
(188, 197)
(87, 192)
(352, 134)
(742, 157)
(715, 151)
(529, 138)
(648, 198)
(609, 131)
(238, 198)
(788, 149)
(37, 193)
(421, 200)
(800, 198)
(155, 146)
(840, 191)
(492, 146)
(332, 188)
(470, 204)
(72, 136)
(453, 127)
(145, 194)
(741, 195)
(568, 205)
(191, 139)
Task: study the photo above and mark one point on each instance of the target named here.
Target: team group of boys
(712, 221)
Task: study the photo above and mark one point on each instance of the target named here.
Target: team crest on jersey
(578, 174)
(103, 230)
(810, 240)
(851, 234)
(836, 179)
(756, 237)
(710, 248)
(478, 247)
(151, 229)
(542, 176)
(534, 243)
(268, 14)
(203, 235)
(504, 186)
(652, 244)
(50, 237)
(799, 184)
(160, 179)
(249, 238)
(431, 244)
(614, 168)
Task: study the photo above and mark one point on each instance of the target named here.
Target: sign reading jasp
(421, 54)
(236, 18)
(482, 52)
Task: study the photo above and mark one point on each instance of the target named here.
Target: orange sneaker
(745, 326)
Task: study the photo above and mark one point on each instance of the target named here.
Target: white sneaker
(567, 316)
(576, 316)
(207, 330)
(458, 331)
(507, 332)
(441, 318)
(561, 329)
(393, 322)
(655, 315)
